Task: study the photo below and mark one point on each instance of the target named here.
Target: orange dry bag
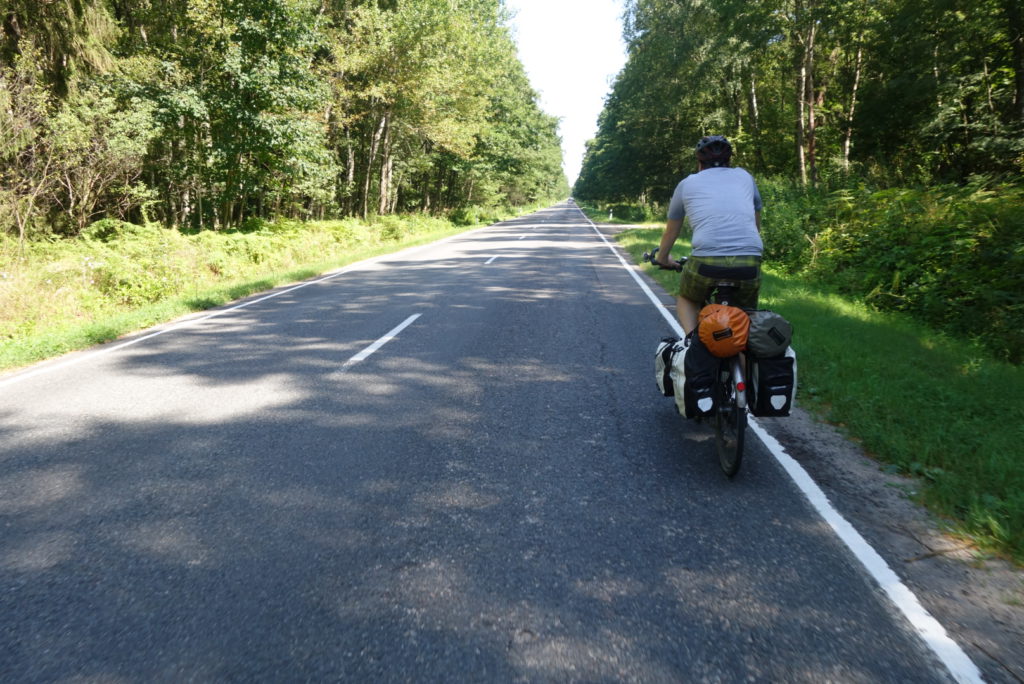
(723, 329)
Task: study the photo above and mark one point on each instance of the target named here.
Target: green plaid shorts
(697, 288)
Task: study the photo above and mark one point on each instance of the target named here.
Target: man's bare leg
(686, 312)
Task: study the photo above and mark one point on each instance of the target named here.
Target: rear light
(741, 387)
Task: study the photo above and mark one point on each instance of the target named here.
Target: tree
(896, 90)
(209, 112)
(99, 148)
(68, 38)
(27, 157)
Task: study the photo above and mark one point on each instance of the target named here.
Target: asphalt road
(498, 493)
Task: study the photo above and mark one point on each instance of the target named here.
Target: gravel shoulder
(979, 599)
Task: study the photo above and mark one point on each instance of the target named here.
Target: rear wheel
(730, 428)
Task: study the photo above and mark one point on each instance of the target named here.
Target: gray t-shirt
(720, 202)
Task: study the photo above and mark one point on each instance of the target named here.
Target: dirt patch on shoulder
(978, 599)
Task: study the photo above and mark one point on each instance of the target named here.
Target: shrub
(951, 256)
(465, 216)
(636, 213)
(790, 220)
(390, 228)
(108, 229)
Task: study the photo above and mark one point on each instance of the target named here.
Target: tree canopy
(204, 113)
(895, 91)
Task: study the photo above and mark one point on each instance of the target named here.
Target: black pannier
(772, 385)
(696, 375)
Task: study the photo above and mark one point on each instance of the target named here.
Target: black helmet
(714, 150)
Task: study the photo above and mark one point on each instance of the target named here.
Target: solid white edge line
(390, 335)
(960, 666)
(934, 635)
(87, 355)
(669, 318)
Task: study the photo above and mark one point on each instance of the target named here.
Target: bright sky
(572, 49)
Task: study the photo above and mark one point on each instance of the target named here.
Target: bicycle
(730, 388)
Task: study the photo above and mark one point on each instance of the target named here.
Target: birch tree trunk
(809, 96)
(371, 158)
(801, 106)
(386, 166)
(350, 172)
(848, 135)
(1016, 32)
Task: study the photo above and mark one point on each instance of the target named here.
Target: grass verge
(70, 295)
(918, 401)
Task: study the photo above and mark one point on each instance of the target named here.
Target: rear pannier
(668, 348)
(772, 387)
(694, 371)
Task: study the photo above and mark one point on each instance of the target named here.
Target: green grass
(938, 408)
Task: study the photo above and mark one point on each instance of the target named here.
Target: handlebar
(652, 258)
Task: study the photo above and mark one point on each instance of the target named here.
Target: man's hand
(669, 264)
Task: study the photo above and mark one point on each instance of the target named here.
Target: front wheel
(730, 428)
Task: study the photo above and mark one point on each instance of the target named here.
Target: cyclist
(724, 208)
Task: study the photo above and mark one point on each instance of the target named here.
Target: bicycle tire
(730, 430)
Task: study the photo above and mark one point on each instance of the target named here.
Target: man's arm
(668, 239)
(757, 220)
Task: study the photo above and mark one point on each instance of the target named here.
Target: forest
(888, 92)
(206, 114)
(887, 137)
